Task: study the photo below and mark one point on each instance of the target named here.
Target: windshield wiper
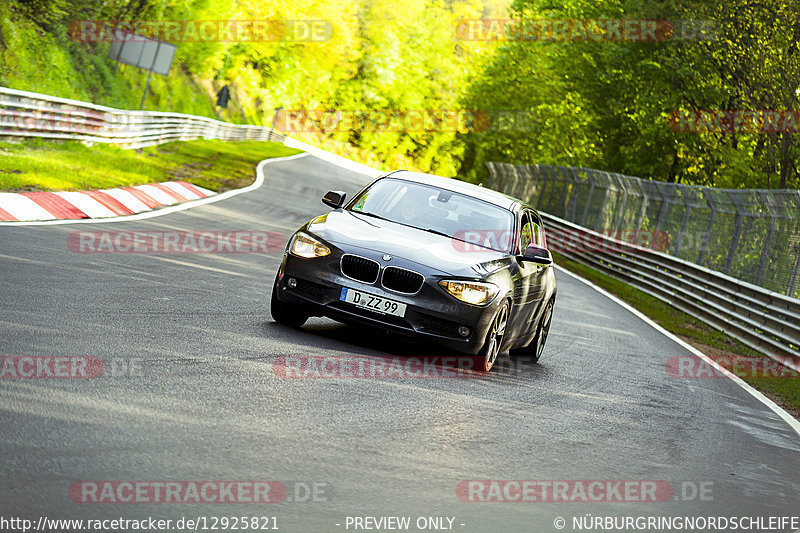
(370, 215)
(437, 232)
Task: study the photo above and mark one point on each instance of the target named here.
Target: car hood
(437, 252)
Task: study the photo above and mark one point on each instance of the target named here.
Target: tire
(536, 347)
(494, 339)
(285, 313)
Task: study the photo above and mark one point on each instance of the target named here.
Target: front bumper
(431, 314)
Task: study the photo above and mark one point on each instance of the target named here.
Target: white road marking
(785, 416)
(195, 265)
(604, 328)
(777, 409)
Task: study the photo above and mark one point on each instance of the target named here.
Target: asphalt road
(202, 401)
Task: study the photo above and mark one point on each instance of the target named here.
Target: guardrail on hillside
(25, 114)
(749, 234)
(762, 319)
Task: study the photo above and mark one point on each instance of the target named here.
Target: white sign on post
(151, 55)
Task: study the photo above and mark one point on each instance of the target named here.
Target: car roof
(482, 193)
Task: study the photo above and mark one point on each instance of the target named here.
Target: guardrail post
(525, 178)
(554, 190)
(795, 270)
(704, 243)
(590, 177)
(767, 239)
(682, 231)
(562, 203)
(737, 232)
(642, 209)
(601, 211)
(542, 184)
(492, 177)
(621, 208)
(512, 178)
(665, 203)
(573, 198)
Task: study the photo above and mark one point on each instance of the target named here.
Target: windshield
(438, 210)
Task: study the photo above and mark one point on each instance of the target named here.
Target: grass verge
(785, 391)
(35, 165)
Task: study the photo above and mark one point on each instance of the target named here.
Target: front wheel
(536, 347)
(286, 313)
(494, 338)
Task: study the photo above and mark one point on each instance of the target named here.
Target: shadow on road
(326, 338)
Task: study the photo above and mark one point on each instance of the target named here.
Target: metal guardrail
(749, 234)
(766, 321)
(25, 114)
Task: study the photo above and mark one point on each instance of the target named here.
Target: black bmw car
(461, 265)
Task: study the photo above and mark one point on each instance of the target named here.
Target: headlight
(304, 245)
(471, 292)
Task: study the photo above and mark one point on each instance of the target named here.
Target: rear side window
(526, 232)
(537, 232)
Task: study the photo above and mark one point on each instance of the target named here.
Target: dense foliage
(607, 104)
(380, 56)
(573, 101)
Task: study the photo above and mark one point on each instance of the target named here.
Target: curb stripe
(88, 205)
(169, 191)
(23, 208)
(157, 194)
(5, 215)
(142, 196)
(55, 205)
(110, 202)
(127, 199)
(199, 191)
(183, 191)
(96, 204)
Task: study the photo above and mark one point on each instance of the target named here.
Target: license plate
(372, 302)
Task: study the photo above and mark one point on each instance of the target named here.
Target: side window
(536, 231)
(526, 235)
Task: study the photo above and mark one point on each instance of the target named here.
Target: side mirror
(334, 199)
(537, 254)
